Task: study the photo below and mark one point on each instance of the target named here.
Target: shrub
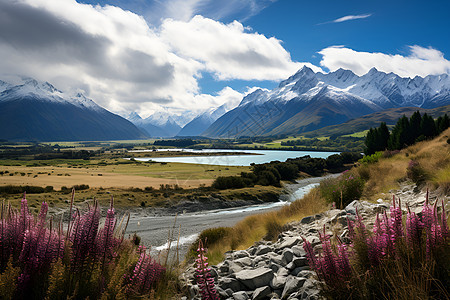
(38, 260)
(371, 159)
(342, 190)
(398, 260)
(415, 172)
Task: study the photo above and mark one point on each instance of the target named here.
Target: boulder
(298, 251)
(253, 279)
(263, 249)
(240, 295)
(289, 242)
(287, 256)
(292, 285)
(229, 283)
(262, 293)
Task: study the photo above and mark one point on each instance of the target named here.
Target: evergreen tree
(442, 123)
(414, 124)
(370, 141)
(427, 126)
(400, 134)
(383, 133)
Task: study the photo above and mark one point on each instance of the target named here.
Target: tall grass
(38, 259)
(261, 226)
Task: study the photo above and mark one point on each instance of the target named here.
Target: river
(154, 230)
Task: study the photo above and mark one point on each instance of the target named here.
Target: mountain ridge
(308, 101)
(38, 111)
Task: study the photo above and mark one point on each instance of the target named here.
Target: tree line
(406, 132)
(274, 172)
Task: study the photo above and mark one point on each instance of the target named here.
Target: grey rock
(240, 295)
(274, 267)
(262, 293)
(222, 293)
(256, 278)
(298, 251)
(307, 220)
(292, 285)
(289, 242)
(278, 282)
(263, 249)
(298, 270)
(229, 292)
(244, 262)
(274, 258)
(229, 283)
(287, 256)
(234, 267)
(283, 272)
(240, 254)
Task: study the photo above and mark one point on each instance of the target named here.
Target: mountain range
(308, 101)
(37, 111)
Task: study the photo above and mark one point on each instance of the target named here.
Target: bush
(210, 237)
(18, 189)
(371, 159)
(342, 190)
(415, 172)
(231, 182)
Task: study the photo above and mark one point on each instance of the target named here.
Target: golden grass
(139, 175)
(256, 227)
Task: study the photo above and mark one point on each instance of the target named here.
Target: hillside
(35, 111)
(390, 116)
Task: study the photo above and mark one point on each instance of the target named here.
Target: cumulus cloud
(420, 61)
(124, 63)
(228, 50)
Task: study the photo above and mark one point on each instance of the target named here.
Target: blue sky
(150, 55)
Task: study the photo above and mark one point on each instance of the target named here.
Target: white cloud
(125, 64)
(420, 61)
(228, 51)
(351, 17)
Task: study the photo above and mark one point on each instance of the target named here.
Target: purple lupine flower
(444, 228)
(344, 268)
(310, 256)
(106, 240)
(414, 229)
(83, 237)
(204, 279)
(145, 274)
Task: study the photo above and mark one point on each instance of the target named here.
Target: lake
(262, 156)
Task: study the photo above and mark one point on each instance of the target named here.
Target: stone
(229, 283)
(234, 267)
(289, 242)
(240, 254)
(298, 251)
(263, 249)
(287, 256)
(240, 295)
(298, 270)
(261, 293)
(307, 220)
(274, 258)
(256, 278)
(222, 293)
(283, 272)
(274, 267)
(244, 261)
(278, 282)
(292, 285)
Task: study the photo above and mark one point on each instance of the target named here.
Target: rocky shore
(280, 270)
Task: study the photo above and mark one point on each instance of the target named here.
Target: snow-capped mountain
(37, 110)
(160, 124)
(203, 121)
(308, 100)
